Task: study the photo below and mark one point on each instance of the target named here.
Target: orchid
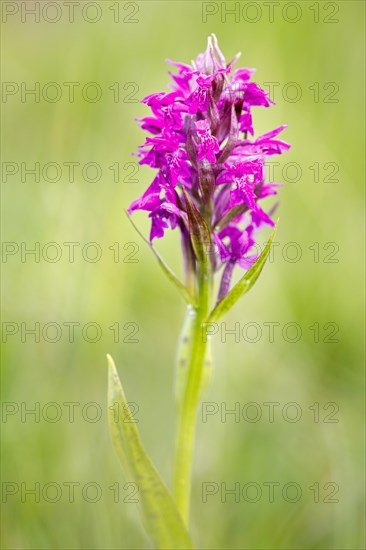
(209, 186)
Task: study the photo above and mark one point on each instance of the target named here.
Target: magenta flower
(199, 98)
(208, 145)
(207, 166)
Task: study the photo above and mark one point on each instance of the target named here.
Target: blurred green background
(324, 285)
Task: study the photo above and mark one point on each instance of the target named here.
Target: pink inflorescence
(200, 147)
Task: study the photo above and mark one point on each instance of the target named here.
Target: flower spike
(210, 180)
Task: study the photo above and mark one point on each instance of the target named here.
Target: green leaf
(243, 285)
(168, 272)
(159, 513)
(198, 230)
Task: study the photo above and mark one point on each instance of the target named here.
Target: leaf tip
(110, 362)
(113, 378)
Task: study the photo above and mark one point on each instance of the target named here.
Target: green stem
(191, 397)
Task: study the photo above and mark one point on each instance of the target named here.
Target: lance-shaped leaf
(232, 139)
(158, 510)
(207, 181)
(168, 272)
(217, 86)
(233, 213)
(243, 285)
(213, 112)
(198, 230)
(190, 145)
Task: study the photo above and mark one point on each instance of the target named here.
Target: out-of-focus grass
(106, 292)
